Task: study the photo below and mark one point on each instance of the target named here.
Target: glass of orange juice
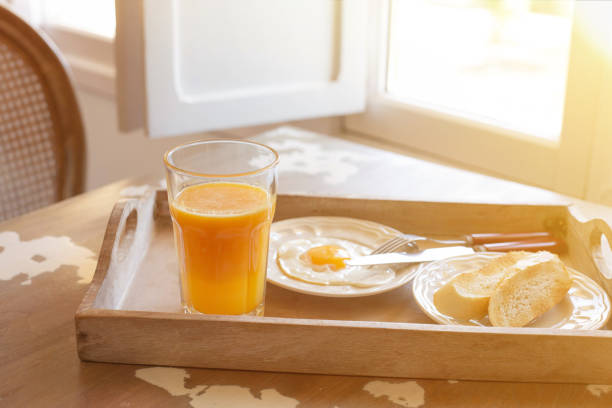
(222, 195)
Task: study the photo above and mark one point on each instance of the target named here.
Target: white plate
(586, 305)
(367, 233)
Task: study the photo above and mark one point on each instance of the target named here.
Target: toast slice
(466, 296)
(531, 287)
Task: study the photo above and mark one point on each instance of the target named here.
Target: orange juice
(221, 231)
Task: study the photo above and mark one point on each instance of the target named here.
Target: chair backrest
(42, 146)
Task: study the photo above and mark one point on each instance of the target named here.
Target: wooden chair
(42, 142)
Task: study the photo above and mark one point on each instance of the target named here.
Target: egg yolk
(331, 255)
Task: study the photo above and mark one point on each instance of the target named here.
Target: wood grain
(430, 217)
(348, 348)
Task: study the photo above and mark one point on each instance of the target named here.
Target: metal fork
(408, 241)
(394, 244)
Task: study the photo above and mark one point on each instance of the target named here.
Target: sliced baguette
(531, 287)
(466, 296)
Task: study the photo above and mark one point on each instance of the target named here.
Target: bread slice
(534, 285)
(466, 296)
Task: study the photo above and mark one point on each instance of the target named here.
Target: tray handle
(126, 231)
(127, 236)
(600, 240)
(596, 235)
(116, 222)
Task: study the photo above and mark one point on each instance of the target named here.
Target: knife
(426, 255)
(435, 254)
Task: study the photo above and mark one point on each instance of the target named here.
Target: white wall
(113, 155)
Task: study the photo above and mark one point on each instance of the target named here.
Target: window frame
(563, 166)
(91, 57)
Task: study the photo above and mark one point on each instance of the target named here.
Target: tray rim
(92, 326)
(86, 308)
(291, 321)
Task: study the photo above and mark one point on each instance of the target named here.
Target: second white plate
(586, 305)
(367, 233)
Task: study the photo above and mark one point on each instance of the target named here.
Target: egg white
(293, 263)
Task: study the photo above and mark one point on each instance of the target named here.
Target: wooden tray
(131, 312)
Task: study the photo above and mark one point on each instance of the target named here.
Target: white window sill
(90, 58)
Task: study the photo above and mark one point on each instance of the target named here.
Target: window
(210, 64)
(512, 88)
(481, 62)
(84, 31)
(95, 17)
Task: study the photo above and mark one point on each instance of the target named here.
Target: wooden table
(38, 361)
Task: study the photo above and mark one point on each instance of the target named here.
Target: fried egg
(320, 260)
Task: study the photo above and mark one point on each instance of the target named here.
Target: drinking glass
(222, 196)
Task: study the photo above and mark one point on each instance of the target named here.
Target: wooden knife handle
(533, 245)
(479, 239)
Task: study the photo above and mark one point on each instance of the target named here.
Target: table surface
(47, 258)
